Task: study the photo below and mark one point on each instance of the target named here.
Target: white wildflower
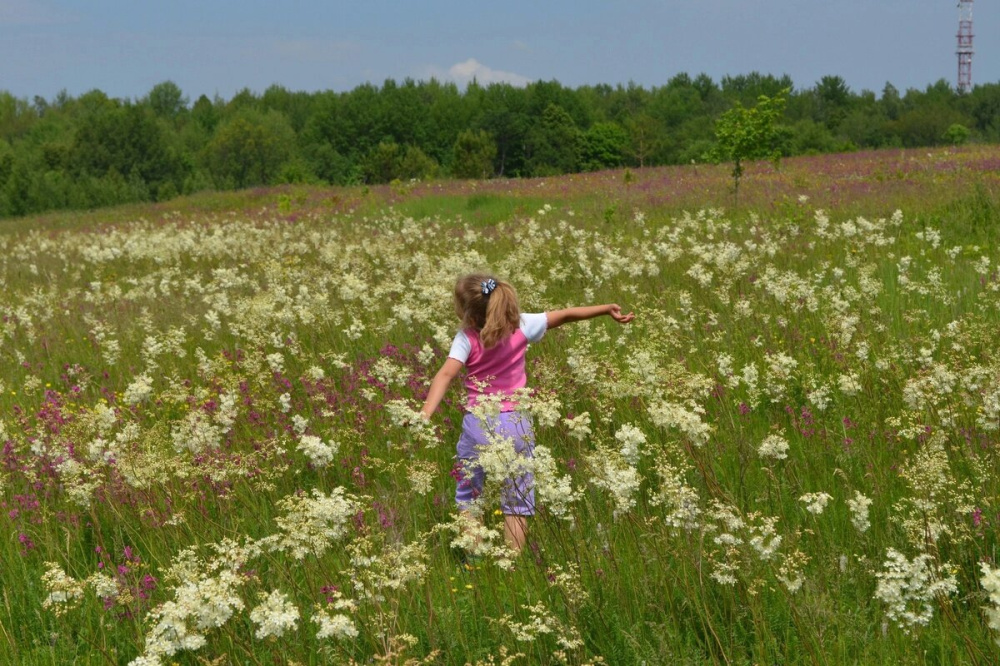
(991, 583)
(312, 524)
(337, 626)
(859, 511)
(631, 440)
(908, 588)
(274, 616)
(320, 453)
(815, 502)
(64, 591)
(139, 390)
(774, 446)
(276, 361)
(579, 426)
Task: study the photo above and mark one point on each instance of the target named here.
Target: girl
(491, 346)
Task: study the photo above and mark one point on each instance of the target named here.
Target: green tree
(167, 100)
(381, 165)
(743, 134)
(415, 164)
(833, 101)
(554, 143)
(473, 155)
(126, 140)
(250, 149)
(603, 146)
(16, 116)
(956, 134)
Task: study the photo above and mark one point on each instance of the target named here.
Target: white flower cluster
(64, 592)
(613, 473)
(196, 433)
(631, 440)
(579, 426)
(859, 511)
(815, 502)
(774, 446)
(311, 524)
(274, 616)
(685, 418)
(338, 626)
(200, 604)
(990, 581)
(320, 453)
(139, 390)
(679, 500)
(908, 588)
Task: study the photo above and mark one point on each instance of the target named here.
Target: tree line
(94, 150)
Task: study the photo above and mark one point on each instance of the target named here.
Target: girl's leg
(515, 531)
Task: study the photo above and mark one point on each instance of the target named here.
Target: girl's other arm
(439, 385)
(613, 310)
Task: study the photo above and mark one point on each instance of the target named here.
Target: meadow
(210, 454)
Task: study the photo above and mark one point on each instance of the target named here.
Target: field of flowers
(791, 456)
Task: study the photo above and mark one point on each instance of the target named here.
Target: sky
(218, 47)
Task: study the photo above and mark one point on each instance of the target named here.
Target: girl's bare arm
(613, 310)
(439, 385)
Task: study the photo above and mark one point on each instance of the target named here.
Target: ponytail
(488, 305)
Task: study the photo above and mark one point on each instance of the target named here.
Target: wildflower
(276, 362)
(908, 588)
(139, 390)
(631, 439)
(815, 502)
(859, 511)
(686, 418)
(579, 426)
(337, 626)
(64, 592)
(320, 453)
(615, 475)
(274, 616)
(774, 446)
(990, 581)
(311, 524)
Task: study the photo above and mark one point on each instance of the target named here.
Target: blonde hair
(495, 315)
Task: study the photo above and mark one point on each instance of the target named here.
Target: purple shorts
(518, 494)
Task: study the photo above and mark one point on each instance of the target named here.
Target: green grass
(870, 350)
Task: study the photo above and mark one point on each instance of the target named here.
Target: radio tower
(964, 45)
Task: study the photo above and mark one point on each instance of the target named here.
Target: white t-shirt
(533, 326)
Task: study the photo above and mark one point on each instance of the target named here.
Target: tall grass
(164, 372)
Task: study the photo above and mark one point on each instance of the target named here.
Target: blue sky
(221, 46)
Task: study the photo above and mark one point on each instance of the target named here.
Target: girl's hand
(615, 312)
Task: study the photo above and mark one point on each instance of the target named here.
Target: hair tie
(488, 286)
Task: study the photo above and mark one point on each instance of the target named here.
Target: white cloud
(464, 72)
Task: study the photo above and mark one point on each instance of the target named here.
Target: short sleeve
(533, 325)
(460, 347)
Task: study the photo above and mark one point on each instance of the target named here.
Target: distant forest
(94, 150)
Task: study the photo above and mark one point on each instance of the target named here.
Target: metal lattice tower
(964, 45)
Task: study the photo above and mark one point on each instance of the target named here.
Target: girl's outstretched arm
(613, 310)
(439, 385)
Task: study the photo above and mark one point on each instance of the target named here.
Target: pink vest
(498, 370)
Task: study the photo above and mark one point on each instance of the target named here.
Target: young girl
(491, 346)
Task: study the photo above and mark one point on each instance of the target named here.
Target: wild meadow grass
(209, 455)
